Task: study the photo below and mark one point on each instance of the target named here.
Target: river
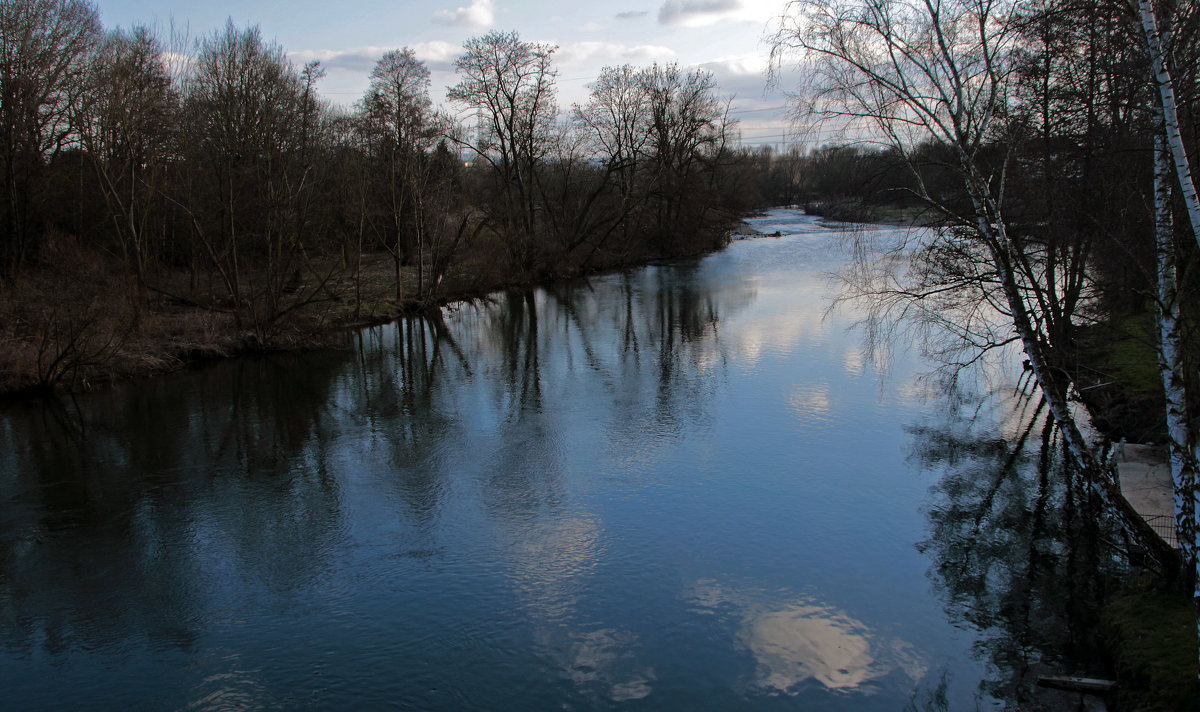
(681, 487)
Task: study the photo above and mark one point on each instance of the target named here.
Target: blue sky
(723, 36)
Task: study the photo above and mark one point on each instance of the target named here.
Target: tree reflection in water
(1019, 553)
(123, 512)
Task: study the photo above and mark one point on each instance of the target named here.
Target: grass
(1131, 356)
(1151, 633)
(1122, 384)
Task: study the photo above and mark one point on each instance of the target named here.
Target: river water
(683, 487)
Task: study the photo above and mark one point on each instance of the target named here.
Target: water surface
(681, 487)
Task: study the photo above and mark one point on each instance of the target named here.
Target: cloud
(631, 15)
(438, 56)
(588, 53)
(744, 77)
(358, 59)
(480, 14)
(761, 110)
(696, 13)
(592, 27)
(743, 65)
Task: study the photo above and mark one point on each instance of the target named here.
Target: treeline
(842, 181)
(141, 174)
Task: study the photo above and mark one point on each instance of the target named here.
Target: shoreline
(180, 322)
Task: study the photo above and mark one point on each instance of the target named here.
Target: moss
(1151, 634)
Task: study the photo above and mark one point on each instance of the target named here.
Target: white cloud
(438, 56)
(744, 65)
(701, 13)
(744, 77)
(696, 13)
(358, 59)
(480, 14)
(592, 27)
(761, 110)
(599, 53)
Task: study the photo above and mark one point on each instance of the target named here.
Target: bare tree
(688, 126)
(615, 125)
(509, 85)
(400, 114)
(44, 48)
(126, 126)
(618, 122)
(941, 70)
(245, 105)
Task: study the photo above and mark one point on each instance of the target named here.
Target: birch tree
(1156, 49)
(1170, 152)
(1171, 348)
(919, 70)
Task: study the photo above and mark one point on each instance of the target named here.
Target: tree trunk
(1166, 90)
(992, 228)
(1183, 466)
(1170, 355)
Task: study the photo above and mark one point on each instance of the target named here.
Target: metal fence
(1165, 526)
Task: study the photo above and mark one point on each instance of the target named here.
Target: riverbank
(1150, 631)
(857, 211)
(79, 320)
(1148, 621)
(1148, 624)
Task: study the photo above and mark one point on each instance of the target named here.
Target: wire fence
(1165, 526)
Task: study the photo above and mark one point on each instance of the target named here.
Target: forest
(169, 199)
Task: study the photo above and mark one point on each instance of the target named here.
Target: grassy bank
(1149, 625)
(1119, 378)
(79, 318)
(1150, 631)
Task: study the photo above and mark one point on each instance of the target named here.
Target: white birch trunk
(1183, 472)
(1183, 467)
(1155, 48)
(1099, 476)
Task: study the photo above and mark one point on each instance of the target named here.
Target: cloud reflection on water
(811, 404)
(550, 564)
(800, 640)
(607, 659)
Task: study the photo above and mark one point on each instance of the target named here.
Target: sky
(726, 37)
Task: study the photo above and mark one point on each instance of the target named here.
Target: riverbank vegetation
(1149, 632)
(165, 199)
(1053, 142)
